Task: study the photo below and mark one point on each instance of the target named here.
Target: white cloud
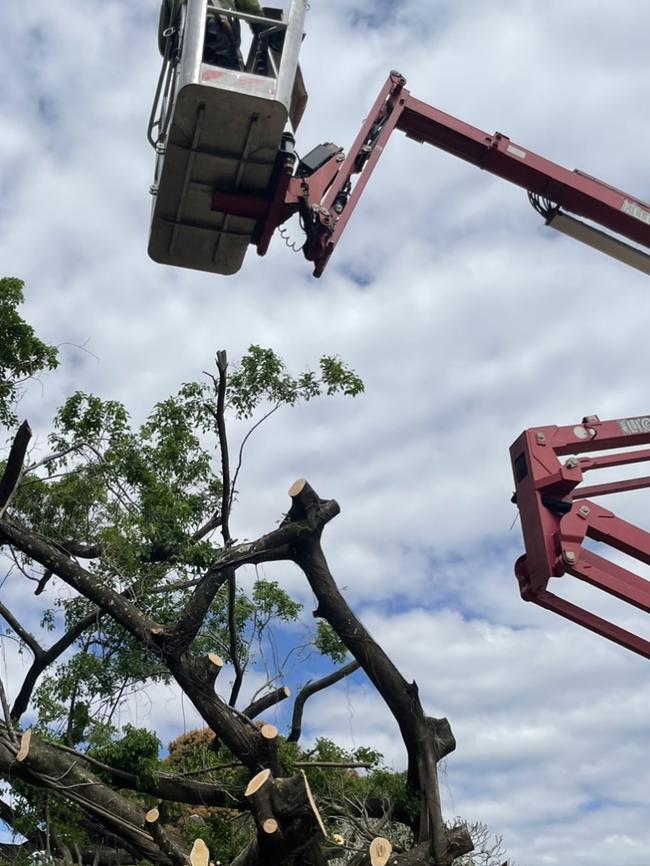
(475, 324)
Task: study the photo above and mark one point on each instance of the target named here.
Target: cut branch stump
(200, 853)
(25, 742)
(380, 851)
(286, 817)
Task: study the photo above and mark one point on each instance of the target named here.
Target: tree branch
(7, 715)
(166, 786)
(287, 819)
(57, 456)
(401, 697)
(49, 556)
(232, 635)
(44, 658)
(259, 706)
(83, 551)
(25, 636)
(176, 854)
(268, 548)
(48, 768)
(239, 734)
(310, 689)
(213, 522)
(195, 675)
(220, 417)
(14, 468)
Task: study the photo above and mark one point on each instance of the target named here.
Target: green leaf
(22, 354)
(329, 644)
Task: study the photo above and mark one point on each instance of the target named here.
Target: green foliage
(141, 497)
(67, 697)
(262, 377)
(272, 602)
(32, 805)
(225, 832)
(22, 354)
(342, 791)
(46, 701)
(329, 643)
(351, 791)
(267, 604)
(137, 751)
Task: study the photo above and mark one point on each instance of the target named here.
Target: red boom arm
(557, 517)
(327, 198)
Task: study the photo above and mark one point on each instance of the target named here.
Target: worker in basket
(222, 34)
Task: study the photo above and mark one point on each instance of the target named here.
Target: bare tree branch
(213, 522)
(264, 703)
(14, 468)
(232, 634)
(166, 786)
(57, 456)
(310, 689)
(27, 638)
(401, 697)
(220, 417)
(7, 714)
(176, 854)
(226, 498)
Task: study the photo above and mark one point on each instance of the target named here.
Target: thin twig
(229, 766)
(7, 714)
(57, 456)
(354, 765)
(241, 450)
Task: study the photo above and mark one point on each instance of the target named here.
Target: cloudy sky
(468, 320)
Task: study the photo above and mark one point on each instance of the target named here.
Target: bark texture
(425, 738)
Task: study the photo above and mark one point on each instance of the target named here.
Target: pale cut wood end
(297, 487)
(269, 732)
(270, 826)
(216, 660)
(380, 851)
(257, 781)
(25, 741)
(200, 853)
(152, 816)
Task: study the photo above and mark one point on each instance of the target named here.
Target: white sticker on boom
(635, 210)
(516, 151)
(630, 426)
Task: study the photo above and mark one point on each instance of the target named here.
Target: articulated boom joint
(558, 516)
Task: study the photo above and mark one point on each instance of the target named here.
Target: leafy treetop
(22, 354)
